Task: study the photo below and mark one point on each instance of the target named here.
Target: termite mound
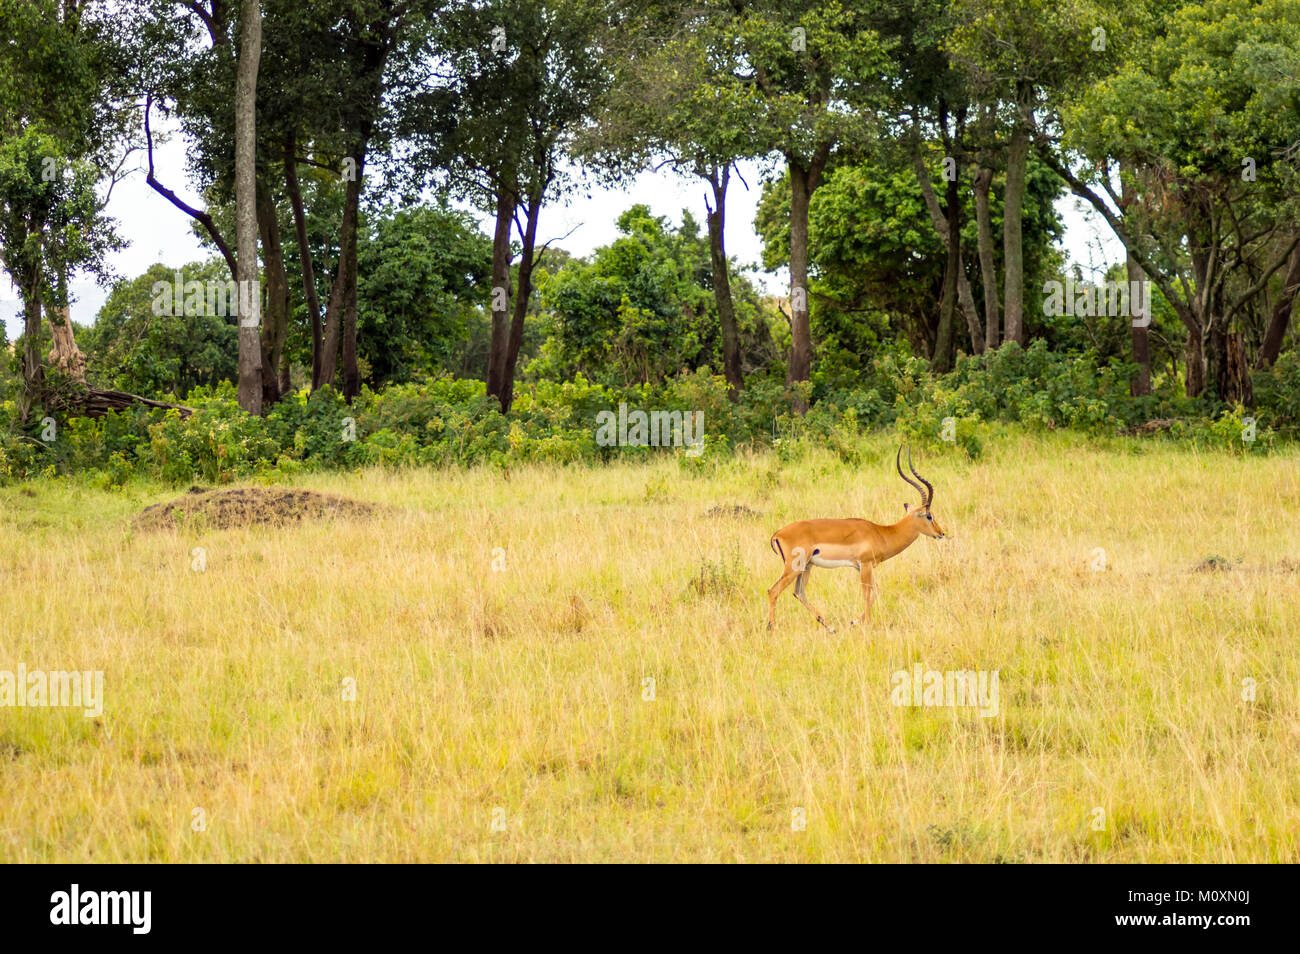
(249, 507)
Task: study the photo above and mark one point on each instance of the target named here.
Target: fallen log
(1161, 425)
(96, 402)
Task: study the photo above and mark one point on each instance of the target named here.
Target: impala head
(921, 515)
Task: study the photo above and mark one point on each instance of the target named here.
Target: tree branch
(197, 214)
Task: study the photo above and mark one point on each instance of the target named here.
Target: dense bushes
(447, 421)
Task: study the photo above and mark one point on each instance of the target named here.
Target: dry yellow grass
(518, 694)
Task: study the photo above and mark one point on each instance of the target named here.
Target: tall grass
(612, 694)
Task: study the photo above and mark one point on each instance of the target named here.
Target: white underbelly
(833, 564)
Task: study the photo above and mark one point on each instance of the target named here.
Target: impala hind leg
(799, 589)
(776, 589)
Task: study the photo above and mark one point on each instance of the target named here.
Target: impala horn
(926, 492)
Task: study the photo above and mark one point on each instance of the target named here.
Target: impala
(860, 544)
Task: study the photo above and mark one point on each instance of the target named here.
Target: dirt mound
(738, 510)
(248, 507)
(1214, 564)
(1219, 564)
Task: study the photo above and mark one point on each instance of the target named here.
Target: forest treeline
(376, 179)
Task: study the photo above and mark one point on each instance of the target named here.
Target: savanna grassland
(518, 694)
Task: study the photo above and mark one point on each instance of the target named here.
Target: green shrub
(446, 421)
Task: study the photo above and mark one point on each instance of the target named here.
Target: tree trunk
(500, 341)
(333, 331)
(526, 262)
(966, 299)
(351, 373)
(941, 361)
(304, 257)
(341, 313)
(803, 182)
(1013, 286)
(1195, 363)
(275, 325)
(348, 253)
(285, 378)
(250, 348)
(1281, 318)
(940, 222)
(65, 355)
(33, 375)
(1141, 334)
(1208, 311)
(370, 81)
(1234, 384)
(731, 366)
(988, 275)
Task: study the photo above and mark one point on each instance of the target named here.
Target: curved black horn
(898, 462)
(928, 493)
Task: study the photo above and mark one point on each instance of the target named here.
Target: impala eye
(928, 517)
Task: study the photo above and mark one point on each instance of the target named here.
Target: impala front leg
(868, 595)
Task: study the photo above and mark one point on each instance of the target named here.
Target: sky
(156, 231)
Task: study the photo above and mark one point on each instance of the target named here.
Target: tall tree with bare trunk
(1024, 58)
(513, 82)
(817, 68)
(680, 105)
(250, 296)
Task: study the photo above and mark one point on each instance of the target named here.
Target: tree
(1206, 196)
(514, 79)
(816, 68)
(879, 266)
(326, 81)
(933, 102)
(1022, 58)
(50, 223)
(51, 131)
(681, 102)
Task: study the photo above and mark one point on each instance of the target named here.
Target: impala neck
(899, 536)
